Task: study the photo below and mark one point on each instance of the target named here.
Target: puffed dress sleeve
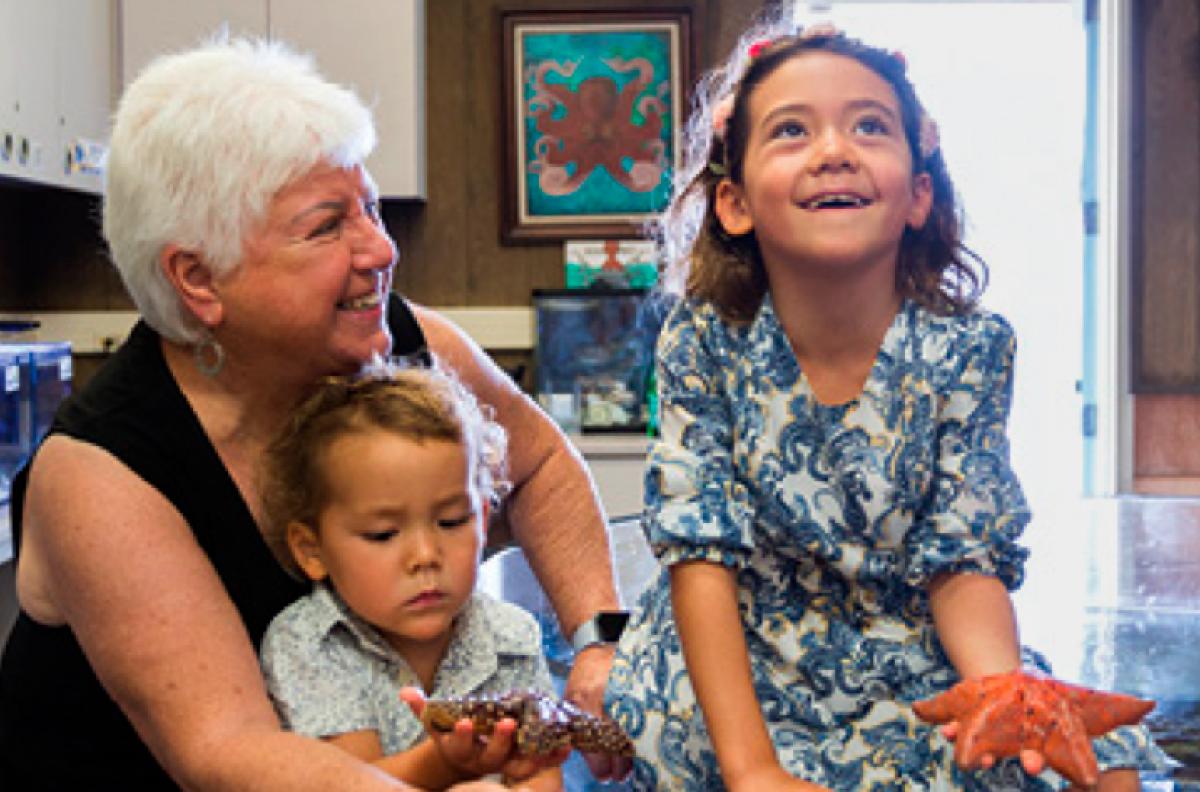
(696, 509)
(976, 510)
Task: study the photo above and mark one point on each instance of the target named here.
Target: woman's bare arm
(555, 511)
(107, 555)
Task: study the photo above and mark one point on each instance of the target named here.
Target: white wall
(1006, 84)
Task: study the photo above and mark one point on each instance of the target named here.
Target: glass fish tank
(594, 357)
(34, 378)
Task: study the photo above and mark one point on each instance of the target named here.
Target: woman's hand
(585, 688)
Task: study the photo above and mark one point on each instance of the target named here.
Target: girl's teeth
(837, 200)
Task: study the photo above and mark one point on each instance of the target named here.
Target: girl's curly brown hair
(935, 268)
(414, 402)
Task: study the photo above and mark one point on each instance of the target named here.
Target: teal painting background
(599, 194)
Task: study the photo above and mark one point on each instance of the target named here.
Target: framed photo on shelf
(593, 103)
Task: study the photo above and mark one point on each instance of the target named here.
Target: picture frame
(592, 110)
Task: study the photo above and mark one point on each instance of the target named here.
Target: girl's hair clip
(756, 48)
(721, 111)
(898, 56)
(819, 30)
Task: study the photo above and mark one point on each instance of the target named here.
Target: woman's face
(310, 294)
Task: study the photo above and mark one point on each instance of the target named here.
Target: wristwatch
(603, 628)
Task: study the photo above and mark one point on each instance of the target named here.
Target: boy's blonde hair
(414, 402)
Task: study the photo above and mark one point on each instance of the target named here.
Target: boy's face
(401, 536)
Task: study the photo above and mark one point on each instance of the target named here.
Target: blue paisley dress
(835, 519)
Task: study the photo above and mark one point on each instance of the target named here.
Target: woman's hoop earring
(209, 356)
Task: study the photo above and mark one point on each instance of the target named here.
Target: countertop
(612, 444)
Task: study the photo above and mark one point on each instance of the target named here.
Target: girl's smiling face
(828, 175)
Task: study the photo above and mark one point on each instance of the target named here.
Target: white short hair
(201, 142)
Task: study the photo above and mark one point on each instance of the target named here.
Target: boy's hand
(525, 767)
(483, 754)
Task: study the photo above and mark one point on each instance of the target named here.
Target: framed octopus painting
(593, 103)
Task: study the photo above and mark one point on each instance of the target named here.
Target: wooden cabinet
(376, 47)
(56, 79)
(1166, 191)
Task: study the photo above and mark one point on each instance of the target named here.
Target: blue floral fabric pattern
(835, 519)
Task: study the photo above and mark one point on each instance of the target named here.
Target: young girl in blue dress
(831, 497)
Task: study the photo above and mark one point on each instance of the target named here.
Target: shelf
(495, 328)
(612, 445)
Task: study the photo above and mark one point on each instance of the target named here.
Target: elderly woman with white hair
(247, 231)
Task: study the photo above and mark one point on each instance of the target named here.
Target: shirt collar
(482, 629)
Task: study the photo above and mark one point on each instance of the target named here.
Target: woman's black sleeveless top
(59, 729)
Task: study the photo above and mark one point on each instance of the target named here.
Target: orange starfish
(1005, 714)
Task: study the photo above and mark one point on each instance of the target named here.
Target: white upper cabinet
(85, 89)
(376, 47)
(56, 79)
(150, 28)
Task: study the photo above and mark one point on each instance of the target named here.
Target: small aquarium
(594, 357)
(12, 448)
(34, 378)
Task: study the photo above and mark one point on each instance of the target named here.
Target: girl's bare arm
(704, 598)
(976, 623)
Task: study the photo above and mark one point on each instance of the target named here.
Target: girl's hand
(1032, 762)
(773, 777)
(1031, 715)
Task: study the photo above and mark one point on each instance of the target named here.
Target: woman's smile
(369, 301)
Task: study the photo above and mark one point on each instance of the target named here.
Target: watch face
(610, 625)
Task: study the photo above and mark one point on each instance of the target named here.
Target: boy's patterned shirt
(329, 672)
